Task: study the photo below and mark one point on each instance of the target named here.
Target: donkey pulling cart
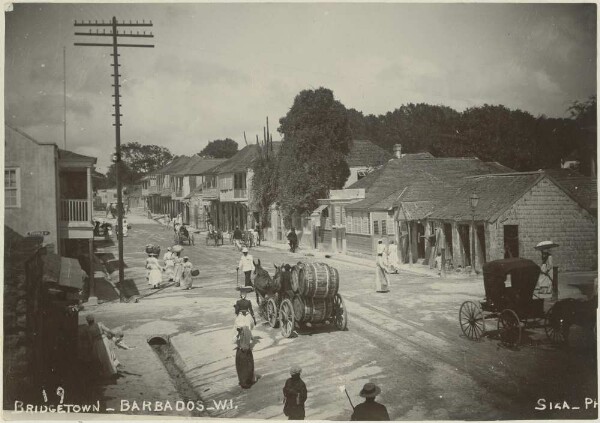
(299, 295)
(509, 297)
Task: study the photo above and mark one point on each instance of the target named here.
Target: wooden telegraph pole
(114, 33)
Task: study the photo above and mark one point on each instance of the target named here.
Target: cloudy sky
(219, 69)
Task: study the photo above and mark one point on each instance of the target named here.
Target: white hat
(244, 250)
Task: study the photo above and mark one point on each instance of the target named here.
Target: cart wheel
(553, 325)
(340, 315)
(272, 313)
(286, 311)
(509, 327)
(472, 322)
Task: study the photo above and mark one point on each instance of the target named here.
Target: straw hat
(295, 370)
(244, 250)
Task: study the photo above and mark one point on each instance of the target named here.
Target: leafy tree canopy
(220, 149)
(138, 160)
(316, 134)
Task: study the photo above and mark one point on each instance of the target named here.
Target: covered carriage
(509, 297)
(302, 295)
(183, 235)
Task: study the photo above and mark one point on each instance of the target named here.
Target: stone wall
(547, 213)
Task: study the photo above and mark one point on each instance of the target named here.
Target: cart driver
(184, 232)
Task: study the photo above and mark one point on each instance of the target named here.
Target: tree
(220, 149)
(265, 180)
(316, 134)
(138, 160)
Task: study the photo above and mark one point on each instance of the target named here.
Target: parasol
(546, 245)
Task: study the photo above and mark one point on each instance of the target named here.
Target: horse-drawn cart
(299, 295)
(183, 235)
(509, 285)
(214, 236)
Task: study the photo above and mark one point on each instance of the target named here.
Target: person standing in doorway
(246, 264)
(381, 280)
(370, 410)
(294, 393)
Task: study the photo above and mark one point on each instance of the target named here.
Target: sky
(219, 69)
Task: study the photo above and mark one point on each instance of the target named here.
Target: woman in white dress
(544, 284)
(186, 276)
(155, 275)
(381, 280)
(169, 264)
(178, 267)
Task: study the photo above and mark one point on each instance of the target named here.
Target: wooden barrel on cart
(295, 277)
(317, 280)
(312, 310)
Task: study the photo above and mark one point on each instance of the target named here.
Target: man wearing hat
(237, 237)
(370, 410)
(247, 265)
(294, 393)
(243, 305)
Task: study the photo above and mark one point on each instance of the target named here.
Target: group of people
(177, 269)
(238, 237)
(295, 392)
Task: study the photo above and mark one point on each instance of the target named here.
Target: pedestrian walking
(169, 264)
(237, 237)
(244, 360)
(108, 209)
(381, 280)
(155, 275)
(243, 304)
(370, 410)
(294, 395)
(178, 269)
(246, 264)
(544, 283)
(186, 274)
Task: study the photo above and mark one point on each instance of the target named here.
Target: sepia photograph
(300, 211)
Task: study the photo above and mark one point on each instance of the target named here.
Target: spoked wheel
(286, 312)
(509, 328)
(472, 322)
(340, 315)
(553, 325)
(272, 313)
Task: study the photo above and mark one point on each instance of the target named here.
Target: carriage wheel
(553, 325)
(340, 315)
(472, 322)
(509, 327)
(286, 312)
(272, 313)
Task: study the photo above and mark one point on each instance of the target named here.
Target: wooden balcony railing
(74, 211)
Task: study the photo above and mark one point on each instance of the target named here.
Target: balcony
(178, 192)
(210, 193)
(166, 191)
(75, 219)
(74, 211)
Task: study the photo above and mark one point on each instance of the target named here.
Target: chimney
(398, 151)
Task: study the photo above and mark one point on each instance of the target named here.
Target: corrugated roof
(365, 153)
(429, 177)
(496, 193)
(197, 166)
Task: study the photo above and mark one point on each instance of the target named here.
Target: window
(375, 227)
(383, 227)
(12, 187)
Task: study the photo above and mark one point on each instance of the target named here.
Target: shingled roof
(242, 160)
(197, 166)
(496, 193)
(173, 166)
(384, 186)
(583, 189)
(365, 153)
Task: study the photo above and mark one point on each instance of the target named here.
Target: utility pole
(65, 95)
(115, 34)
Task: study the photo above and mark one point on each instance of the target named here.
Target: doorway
(465, 240)
(511, 241)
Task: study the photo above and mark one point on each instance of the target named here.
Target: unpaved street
(407, 341)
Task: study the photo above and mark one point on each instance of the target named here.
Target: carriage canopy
(513, 278)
